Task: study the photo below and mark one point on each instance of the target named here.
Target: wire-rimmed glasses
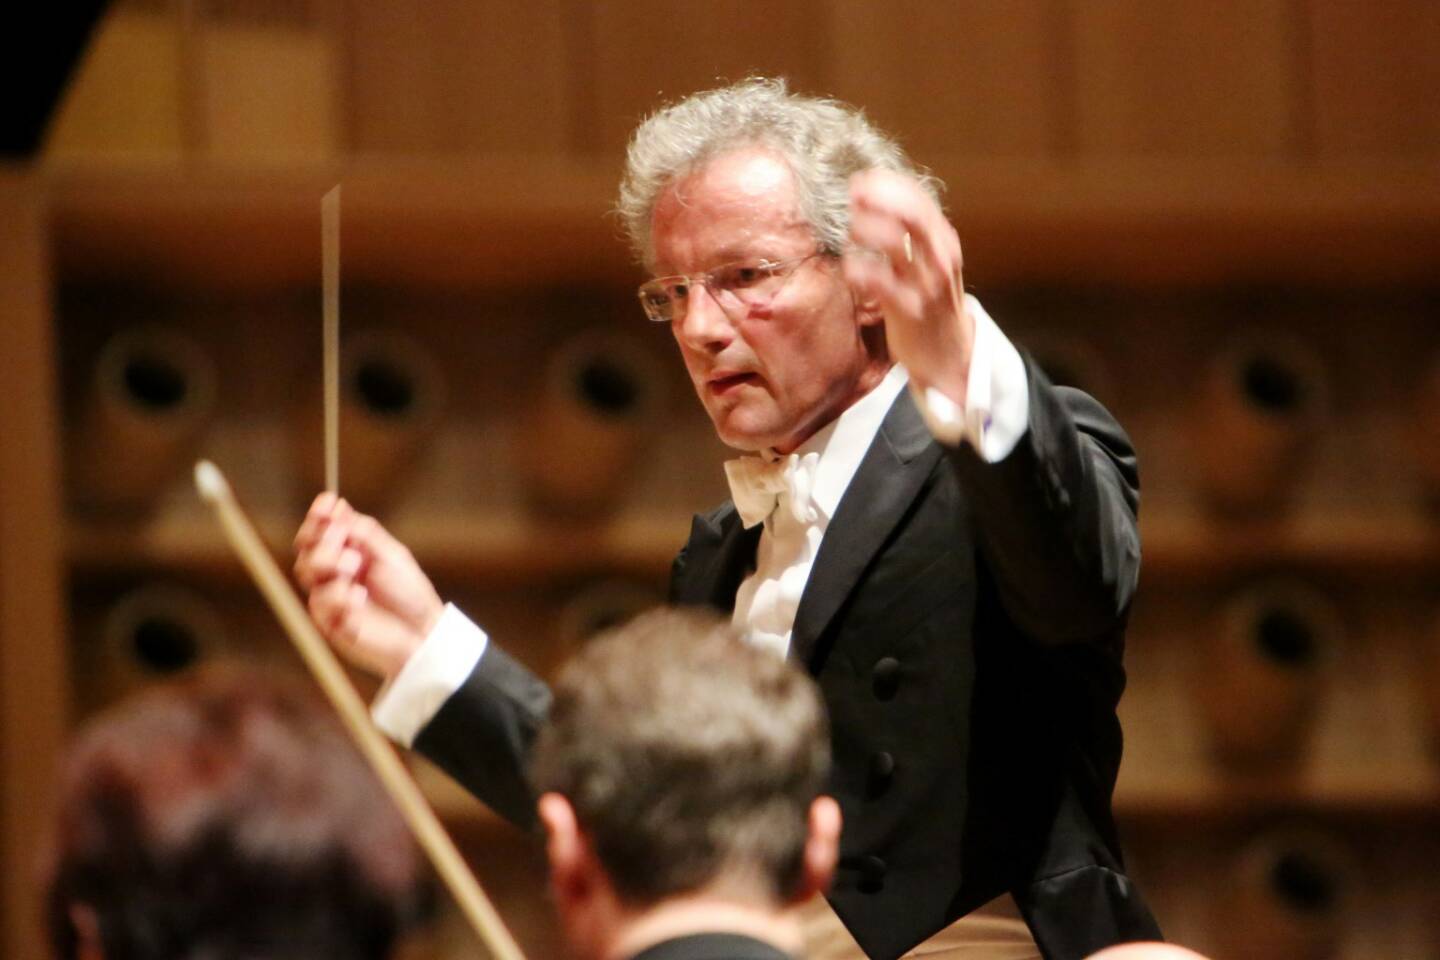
(737, 287)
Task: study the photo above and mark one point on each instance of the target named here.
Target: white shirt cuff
(437, 668)
(997, 395)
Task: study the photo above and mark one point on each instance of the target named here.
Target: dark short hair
(688, 755)
(227, 815)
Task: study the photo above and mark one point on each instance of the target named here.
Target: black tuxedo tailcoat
(965, 622)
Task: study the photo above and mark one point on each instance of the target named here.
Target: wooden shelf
(517, 221)
(1192, 545)
(458, 226)
(1217, 797)
(1183, 223)
(514, 546)
(498, 549)
(1229, 797)
(1220, 799)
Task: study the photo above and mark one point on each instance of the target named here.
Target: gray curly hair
(822, 141)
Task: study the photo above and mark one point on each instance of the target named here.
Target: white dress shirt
(768, 598)
(992, 420)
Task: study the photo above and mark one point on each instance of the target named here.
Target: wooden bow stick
(239, 531)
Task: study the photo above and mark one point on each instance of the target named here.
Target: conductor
(945, 539)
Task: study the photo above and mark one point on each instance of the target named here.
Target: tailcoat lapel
(718, 555)
(895, 467)
(721, 551)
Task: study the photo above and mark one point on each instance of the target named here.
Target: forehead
(736, 204)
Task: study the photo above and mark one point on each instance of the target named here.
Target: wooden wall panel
(651, 52)
(124, 101)
(1185, 79)
(33, 667)
(1080, 135)
(967, 78)
(267, 92)
(456, 76)
(1376, 76)
(1191, 870)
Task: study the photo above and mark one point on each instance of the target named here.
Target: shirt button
(885, 678)
(882, 771)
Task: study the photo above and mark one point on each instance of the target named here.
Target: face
(774, 376)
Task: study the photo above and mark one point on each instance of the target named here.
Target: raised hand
(918, 282)
(367, 594)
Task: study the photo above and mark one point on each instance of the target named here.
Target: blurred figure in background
(226, 816)
(680, 774)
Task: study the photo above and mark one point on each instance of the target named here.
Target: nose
(704, 324)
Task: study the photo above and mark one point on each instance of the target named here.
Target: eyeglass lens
(744, 283)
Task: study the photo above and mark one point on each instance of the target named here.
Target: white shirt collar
(842, 442)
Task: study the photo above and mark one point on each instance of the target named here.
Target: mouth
(723, 383)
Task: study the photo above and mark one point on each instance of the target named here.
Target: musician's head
(737, 200)
(680, 762)
(226, 815)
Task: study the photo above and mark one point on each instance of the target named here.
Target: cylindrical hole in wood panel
(152, 632)
(577, 446)
(1426, 442)
(1287, 898)
(1260, 680)
(391, 394)
(1257, 421)
(152, 393)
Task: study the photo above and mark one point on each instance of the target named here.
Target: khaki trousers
(994, 932)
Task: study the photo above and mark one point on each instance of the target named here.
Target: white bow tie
(756, 486)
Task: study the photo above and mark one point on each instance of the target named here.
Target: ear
(565, 844)
(869, 314)
(822, 847)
